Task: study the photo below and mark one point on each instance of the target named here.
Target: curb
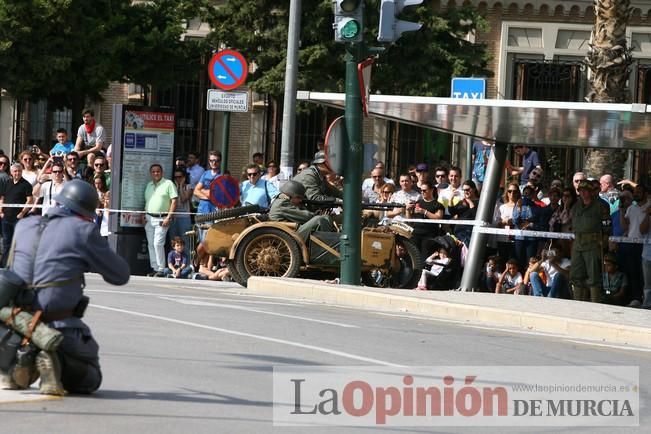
(396, 302)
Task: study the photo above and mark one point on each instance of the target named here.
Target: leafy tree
(420, 63)
(68, 51)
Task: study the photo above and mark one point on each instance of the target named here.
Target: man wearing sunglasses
(46, 191)
(73, 171)
(255, 190)
(202, 189)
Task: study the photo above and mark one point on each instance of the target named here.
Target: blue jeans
(185, 273)
(557, 288)
(8, 227)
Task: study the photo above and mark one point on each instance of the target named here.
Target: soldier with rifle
(50, 255)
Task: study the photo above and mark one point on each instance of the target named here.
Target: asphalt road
(197, 357)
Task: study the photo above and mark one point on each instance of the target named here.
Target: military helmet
(319, 158)
(79, 196)
(293, 188)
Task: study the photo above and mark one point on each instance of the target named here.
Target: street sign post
(468, 88)
(219, 100)
(228, 69)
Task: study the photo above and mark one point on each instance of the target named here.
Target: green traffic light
(350, 29)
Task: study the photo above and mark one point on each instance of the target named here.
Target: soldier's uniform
(283, 210)
(588, 222)
(69, 246)
(316, 187)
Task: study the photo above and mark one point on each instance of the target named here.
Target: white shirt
(635, 215)
(551, 271)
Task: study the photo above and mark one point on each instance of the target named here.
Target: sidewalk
(598, 322)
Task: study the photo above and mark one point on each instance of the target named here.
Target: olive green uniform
(316, 187)
(588, 222)
(283, 210)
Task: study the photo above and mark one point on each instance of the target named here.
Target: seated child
(615, 283)
(511, 281)
(177, 261)
(492, 274)
(436, 277)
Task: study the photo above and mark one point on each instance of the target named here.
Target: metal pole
(351, 262)
(469, 141)
(487, 199)
(289, 101)
(226, 130)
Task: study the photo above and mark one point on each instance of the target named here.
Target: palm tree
(609, 61)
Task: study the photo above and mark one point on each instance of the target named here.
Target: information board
(147, 138)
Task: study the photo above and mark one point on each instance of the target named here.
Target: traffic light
(391, 28)
(349, 20)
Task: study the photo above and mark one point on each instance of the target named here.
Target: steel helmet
(79, 196)
(293, 188)
(319, 158)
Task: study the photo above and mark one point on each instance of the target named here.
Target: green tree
(420, 63)
(68, 51)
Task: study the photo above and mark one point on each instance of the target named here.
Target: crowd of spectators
(529, 264)
(515, 263)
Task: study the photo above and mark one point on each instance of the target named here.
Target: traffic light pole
(351, 241)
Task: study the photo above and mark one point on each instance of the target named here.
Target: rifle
(325, 204)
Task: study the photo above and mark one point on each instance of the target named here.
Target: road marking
(153, 294)
(254, 336)
(248, 309)
(27, 395)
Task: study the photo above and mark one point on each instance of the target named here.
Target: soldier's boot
(580, 293)
(595, 294)
(24, 376)
(646, 301)
(6, 382)
(49, 367)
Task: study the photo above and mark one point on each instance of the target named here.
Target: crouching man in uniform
(288, 207)
(54, 265)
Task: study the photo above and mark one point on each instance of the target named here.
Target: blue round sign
(228, 69)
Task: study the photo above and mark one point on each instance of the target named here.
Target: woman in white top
(48, 190)
(30, 173)
(273, 174)
(503, 219)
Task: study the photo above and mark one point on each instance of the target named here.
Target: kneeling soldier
(52, 253)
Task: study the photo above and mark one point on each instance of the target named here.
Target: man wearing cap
(313, 179)
(590, 221)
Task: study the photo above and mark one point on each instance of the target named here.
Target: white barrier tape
(441, 221)
(479, 227)
(524, 233)
(632, 240)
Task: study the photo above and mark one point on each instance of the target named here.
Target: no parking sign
(228, 69)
